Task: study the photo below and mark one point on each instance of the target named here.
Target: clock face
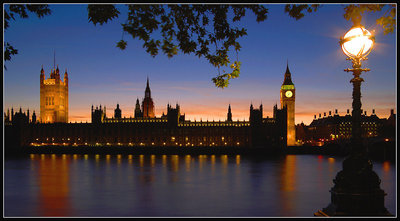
(289, 94)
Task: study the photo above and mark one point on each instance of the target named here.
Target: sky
(101, 73)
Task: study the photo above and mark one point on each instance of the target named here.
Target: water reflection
(386, 166)
(152, 160)
(332, 167)
(173, 185)
(288, 184)
(175, 163)
(188, 159)
(141, 160)
(289, 173)
(53, 176)
(237, 159)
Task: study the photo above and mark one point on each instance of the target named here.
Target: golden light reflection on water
(119, 157)
(188, 159)
(289, 173)
(224, 160)
(152, 160)
(57, 174)
(164, 160)
(288, 183)
(53, 178)
(141, 160)
(212, 159)
(130, 157)
(201, 161)
(386, 166)
(108, 157)
(332, 165)
(175, 163)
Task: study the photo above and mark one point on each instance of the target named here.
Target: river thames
(175, 185)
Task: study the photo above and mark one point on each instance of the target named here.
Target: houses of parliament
(145, 128)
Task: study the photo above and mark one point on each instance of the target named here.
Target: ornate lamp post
(357, 189)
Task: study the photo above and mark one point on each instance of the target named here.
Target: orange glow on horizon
(218, 112)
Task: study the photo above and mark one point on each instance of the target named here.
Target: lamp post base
(356, 191)
(355, 204)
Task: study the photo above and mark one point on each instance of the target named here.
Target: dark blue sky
(100, 73)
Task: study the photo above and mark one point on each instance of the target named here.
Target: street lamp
(357, 189)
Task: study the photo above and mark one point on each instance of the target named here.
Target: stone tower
(287, 97)
(229, 115)
(53, 97)
(147, 104)
(138, 112)
(117, 112)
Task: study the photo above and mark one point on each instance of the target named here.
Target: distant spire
(147, 92)
(229, 115)
(288, 77)
(54, 64)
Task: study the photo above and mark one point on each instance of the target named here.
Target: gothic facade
(145, 129)
(53, 97)
(287, 98)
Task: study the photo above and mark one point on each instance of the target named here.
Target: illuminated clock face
(289, 94)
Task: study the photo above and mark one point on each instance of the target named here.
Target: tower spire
(147, 92)
(288, 76)
(229, 115)
(54, 64)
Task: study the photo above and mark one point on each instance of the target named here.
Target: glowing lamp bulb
(357, 42)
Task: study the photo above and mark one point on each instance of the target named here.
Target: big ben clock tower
(288, 93)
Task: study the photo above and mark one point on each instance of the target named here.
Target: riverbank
(381, 152)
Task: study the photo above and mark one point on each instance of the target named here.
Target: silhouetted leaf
(101, 13)
(203, 30)
(122, 44)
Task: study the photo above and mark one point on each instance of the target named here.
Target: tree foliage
(11, 12)
(387, 21)
(296, 11)
(202, 30)
(354, 13)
